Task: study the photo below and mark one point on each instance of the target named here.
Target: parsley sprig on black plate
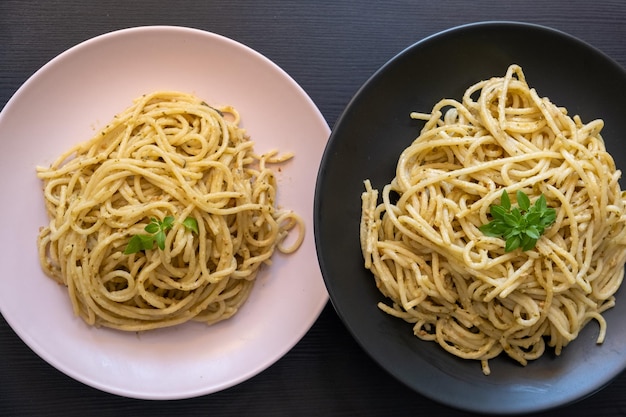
(520, 226)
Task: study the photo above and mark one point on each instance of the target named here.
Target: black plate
(366, 142)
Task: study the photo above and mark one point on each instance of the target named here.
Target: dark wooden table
(330, 48)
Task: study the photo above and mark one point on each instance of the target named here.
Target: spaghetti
(460, 287)
(168, 156)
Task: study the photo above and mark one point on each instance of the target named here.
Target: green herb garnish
(191, 224)
(521, 226)
(157, 230)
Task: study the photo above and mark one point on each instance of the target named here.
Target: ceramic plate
(65, 102)
(366, 143)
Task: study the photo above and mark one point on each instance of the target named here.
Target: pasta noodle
(458, 286)
(169, 154)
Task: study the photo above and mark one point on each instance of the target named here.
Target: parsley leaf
(157, 230)
(191, 224)
(520, 226)
(138, 243)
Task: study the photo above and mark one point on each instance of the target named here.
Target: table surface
(330, 48)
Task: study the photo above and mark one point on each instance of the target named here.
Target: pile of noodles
(169, 155)
(459, 287)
